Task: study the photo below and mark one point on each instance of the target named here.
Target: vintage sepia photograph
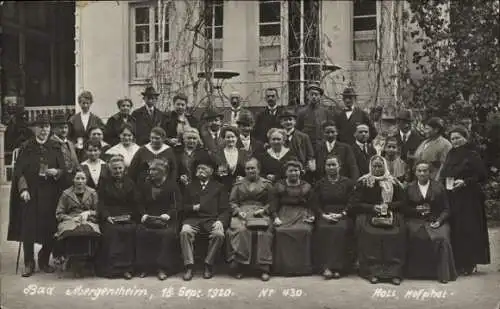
(219, 154)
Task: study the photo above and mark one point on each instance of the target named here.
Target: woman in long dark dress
(155, 149)
(117, 214)
(426, 211)
(464, 171)
(274, 158)
(292, 211)
(78, 230)
(230, 160)
(334, 229)
(250, 247)
(157, 246)
(381, 244)
(35, 190)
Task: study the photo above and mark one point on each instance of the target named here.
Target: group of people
(289, 192)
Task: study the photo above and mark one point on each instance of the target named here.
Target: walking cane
(23, 204)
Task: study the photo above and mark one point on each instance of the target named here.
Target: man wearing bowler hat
(148, 116)
(210, 133)
(246, 140)
(352, 115)
(36, 187)
(311, 117)
(408, 138)
(60, 129)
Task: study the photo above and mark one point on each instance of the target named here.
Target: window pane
(141, 69)
(166, 47)
(219, 15)
(270, 30)
(369, 23)
(365, 7)
(142, 48)
(269, 55)
(218, 32)
(141, 16)
(165, 34)
(217, 58)
(365, 50)
(142, 34)
(269, 11)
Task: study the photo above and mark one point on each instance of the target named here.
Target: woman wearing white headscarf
(380, 231)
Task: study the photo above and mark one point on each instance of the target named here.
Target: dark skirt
(117, 250)
(79, 242)
(430, 254)
(381, 251)
(331, 244)
(469, 231)
(293, 239)
(157, 249)
(249, 247)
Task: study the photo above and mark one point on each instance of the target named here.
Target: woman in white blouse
(94, 167)
(126, 147)
(230, 160)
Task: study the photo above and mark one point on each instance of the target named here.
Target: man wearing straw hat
(311, 117)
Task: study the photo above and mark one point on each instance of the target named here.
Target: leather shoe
(336, 275)
(142, 275)
(127, 275)
(238, 275)
(373, 280)
(188, 275)
(265, 277)
(161, 275)
(28, 270)
(396, 281)
(207, 273)
(444, 281)
(327, 274)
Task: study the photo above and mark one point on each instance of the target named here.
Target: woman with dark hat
(462, 172)
(293, 217)
(115, 122)
(435, 147)
(81, 122)
(210, 133)
(230, 160)
(36, 187)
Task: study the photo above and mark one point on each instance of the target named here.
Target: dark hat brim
(321, 91)
(145, 93)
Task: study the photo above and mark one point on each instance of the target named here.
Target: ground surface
(481, 290)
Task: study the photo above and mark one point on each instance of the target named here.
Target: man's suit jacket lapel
(207, 194)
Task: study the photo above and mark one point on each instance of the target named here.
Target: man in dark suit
(346, 120)
(148, 116)
(363, 149)
(246, 141)
(231, 115)
(330, 145)
(269, 118)
(206, 210)
(298, 142)
(408, 138)
(210, 133)
(311, 117)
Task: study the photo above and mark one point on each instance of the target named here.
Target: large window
(365, 30)
(148, 23)
(214, 29)
(270, 34)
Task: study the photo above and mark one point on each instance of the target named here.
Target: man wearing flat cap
(231, 115)
(408, 138)
(352, 115)
(148, 116)
(210, 133)
(60, 129)
(310, 118)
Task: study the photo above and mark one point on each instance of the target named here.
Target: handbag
(383, 221)
(122, 219)
(257, 223)
(154, 222)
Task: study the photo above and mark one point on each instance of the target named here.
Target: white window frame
(268, 41)
(365, 35)
(217, 43)
(146, 57)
